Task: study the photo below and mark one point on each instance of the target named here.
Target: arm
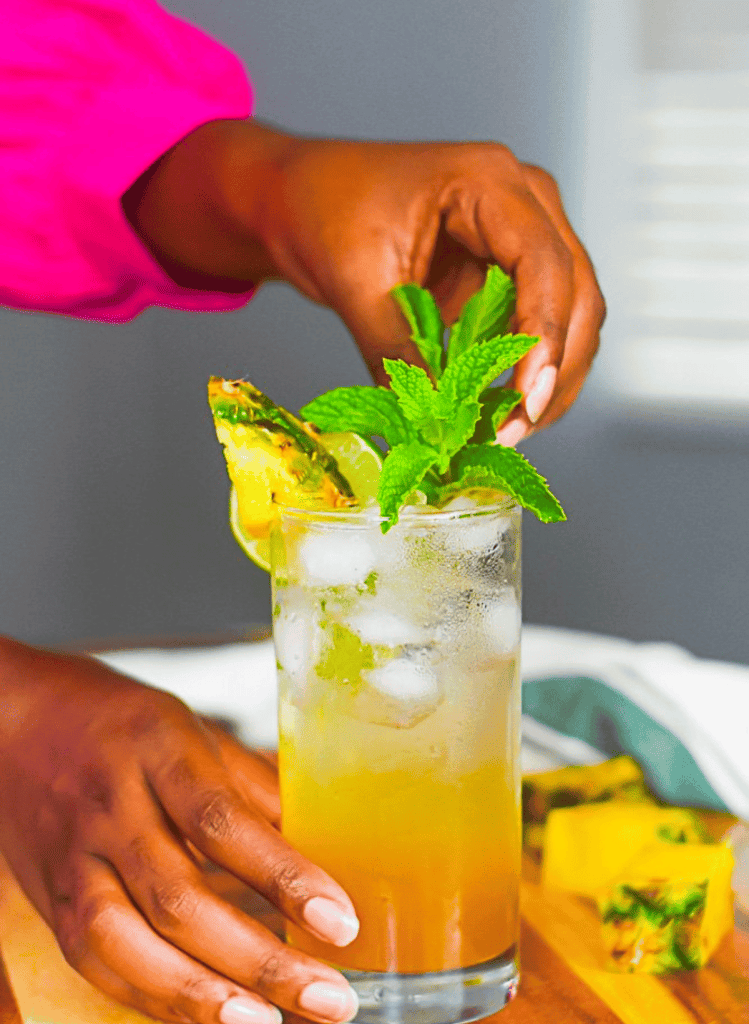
(91, 94)
(238, 202)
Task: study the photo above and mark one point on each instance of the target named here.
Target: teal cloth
(590, 710)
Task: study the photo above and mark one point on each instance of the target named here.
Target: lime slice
(256, 548)
(359, 462)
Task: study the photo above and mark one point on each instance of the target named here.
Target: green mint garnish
(485, 315)
(371, 412)
(427, 330)
(496, 405)
(440, 424)
(484, 465)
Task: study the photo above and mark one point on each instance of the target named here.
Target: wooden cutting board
(563, 980)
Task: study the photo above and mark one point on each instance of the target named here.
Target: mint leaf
(416, 396)
(369, 411)
(403, 470)
(486, 314)
(496, 405)
(486, 465)
(457, 432)
(466, 376)
(427, 329)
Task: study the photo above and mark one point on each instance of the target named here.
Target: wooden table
(563, 980)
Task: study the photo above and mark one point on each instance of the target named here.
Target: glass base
(440, 997)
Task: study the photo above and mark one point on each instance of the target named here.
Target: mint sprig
(371, 412)
(424, 319)
(485, 315)
(483, 465)
(440, 425)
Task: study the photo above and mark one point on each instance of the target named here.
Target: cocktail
(399, 731)
(396, 611)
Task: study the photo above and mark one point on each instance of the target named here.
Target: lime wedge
(359, 462)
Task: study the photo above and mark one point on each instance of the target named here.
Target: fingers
(109, 942)
(207, 809)
(495, 215)
(252, 772)
(585, 320)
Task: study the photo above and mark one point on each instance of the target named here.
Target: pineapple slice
(272, 458)
(619, 779)
(669, 908)
(586, 846)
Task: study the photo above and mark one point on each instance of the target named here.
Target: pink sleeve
(92, 92)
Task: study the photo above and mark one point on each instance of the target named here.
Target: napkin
(586, 697)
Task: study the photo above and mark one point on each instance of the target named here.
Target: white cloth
(705, 703)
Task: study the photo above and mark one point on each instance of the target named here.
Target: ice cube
(405, 680)
(333, 560)
(375, 625)
(501, 621)
(479, 536)
(398, 694)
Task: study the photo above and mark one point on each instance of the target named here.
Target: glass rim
(363, 518)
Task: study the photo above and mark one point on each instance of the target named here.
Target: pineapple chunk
(668, 909)
(272, 457)
(587, 846)
(619, 779)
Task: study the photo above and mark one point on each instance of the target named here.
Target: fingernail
(511, 433)
(541, 393)
(329, 922)
(247, 1011)
(329, 1001)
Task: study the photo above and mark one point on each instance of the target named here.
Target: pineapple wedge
(620, 779)
(587, 846)
(272, 457)
(668, 909)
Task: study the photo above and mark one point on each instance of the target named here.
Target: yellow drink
(423, 834)
(399, 733)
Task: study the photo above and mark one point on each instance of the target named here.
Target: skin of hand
(238, 202)
(114, 799)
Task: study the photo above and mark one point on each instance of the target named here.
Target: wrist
(201, 211)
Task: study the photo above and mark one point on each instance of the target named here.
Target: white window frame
(676, 342)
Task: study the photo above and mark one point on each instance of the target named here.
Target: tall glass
(398, 660)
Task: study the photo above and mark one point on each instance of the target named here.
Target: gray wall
(112, 501)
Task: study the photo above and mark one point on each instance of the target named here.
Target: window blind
(685, 346)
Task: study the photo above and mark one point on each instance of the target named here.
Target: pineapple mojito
(399, 731)
(397, 630)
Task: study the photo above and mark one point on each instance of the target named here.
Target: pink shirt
(92, 92)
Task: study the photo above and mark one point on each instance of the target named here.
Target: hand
(344, 222)
(113, 798)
